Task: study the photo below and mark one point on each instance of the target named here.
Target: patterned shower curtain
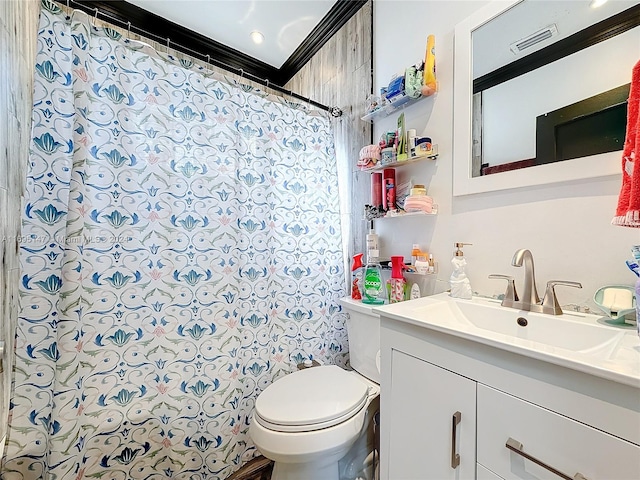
(181, 250)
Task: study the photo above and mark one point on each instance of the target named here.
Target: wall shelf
(398, 102)
(432, 155)
(402, 213)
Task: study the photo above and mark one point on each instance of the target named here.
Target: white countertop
(618, 360)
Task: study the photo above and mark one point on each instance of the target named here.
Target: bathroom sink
(577, 333)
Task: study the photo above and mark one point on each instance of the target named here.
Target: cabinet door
(559, 442)
(483, 473)
(424, 400)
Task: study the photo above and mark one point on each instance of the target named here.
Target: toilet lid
(311, 399)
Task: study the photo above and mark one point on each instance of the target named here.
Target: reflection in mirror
(551, 82)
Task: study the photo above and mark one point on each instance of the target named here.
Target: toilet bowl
(307, 421)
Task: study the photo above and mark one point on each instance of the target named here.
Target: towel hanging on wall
(628, 211)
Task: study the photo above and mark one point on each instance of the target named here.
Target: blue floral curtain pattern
(181, 251)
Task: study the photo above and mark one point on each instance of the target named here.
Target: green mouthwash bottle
(373, 287)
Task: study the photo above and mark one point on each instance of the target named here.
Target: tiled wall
(340, 75)
(18, 32)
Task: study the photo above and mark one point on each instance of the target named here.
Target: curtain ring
(96, 17)
(168, 40)
(267, 82)
(129, 30)
(241, 73)
(208, 59)
(68, 4)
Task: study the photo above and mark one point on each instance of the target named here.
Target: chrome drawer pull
(455, 457)
(516, 447)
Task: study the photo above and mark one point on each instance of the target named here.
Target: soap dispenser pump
(459, 282)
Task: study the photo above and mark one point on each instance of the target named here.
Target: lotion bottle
(373, 251)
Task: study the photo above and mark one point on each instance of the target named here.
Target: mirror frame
(464, 183)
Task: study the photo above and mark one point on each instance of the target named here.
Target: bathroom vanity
(471, 389)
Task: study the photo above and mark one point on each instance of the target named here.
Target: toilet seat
(311, 399)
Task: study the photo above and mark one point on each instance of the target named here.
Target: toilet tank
(363, 329)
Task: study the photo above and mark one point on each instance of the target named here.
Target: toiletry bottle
(357, 274)
(432, 264)
(422, 263)
(373, 251)
(397, 282)
(389, 189)
(411, 142)
(376, 190)
(373, 288)
(460, 285)
(415, 251)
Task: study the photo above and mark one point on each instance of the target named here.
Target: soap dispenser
(459, 282)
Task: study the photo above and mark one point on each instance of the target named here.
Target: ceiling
(284, 23)
(492, 41)
(218, 30)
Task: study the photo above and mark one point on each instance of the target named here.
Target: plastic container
(415, 253)
(386, 156)
(373, 291)
(422, 264)
(397, 283)
(357, 275)
(432, 265)
(373, 251)
(376, 189)
(389, 189)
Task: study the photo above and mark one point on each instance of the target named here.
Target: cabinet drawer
(564, 444)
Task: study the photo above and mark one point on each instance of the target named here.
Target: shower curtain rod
(334, 111)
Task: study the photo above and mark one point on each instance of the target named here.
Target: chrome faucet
(530, 301)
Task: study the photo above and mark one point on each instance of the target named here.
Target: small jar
(418, 190)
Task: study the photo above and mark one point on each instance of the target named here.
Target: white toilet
(307, 421)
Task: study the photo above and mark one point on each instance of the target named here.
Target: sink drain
(523, 322)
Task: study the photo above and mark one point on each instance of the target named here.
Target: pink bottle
(389, 189)
(397, 282)
(376, 189)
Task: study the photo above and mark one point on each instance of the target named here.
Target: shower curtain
(181, 250)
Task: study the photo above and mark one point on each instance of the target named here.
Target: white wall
(566, 227)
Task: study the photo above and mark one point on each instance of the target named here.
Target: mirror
(540, 92)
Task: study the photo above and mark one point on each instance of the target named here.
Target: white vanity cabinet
(570, 447)
(433, 433)
(584, 426)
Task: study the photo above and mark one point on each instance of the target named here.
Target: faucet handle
(550, 303)
(510, 295)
